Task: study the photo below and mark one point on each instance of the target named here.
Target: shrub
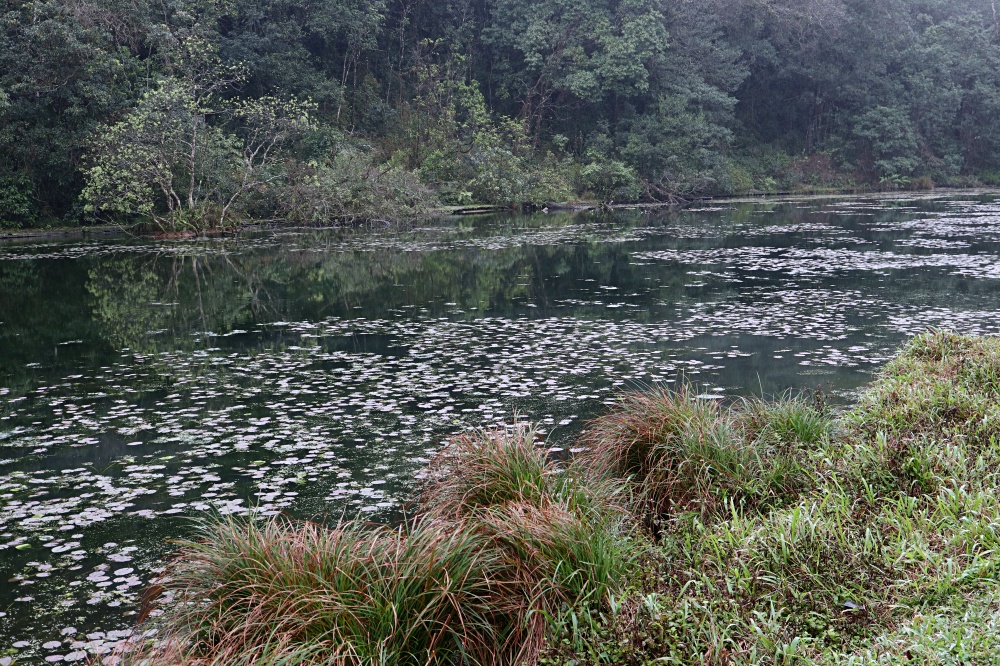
(921, 184)
(498, 467)
(609, 179)
(561, 531)
(348, 185)
(17, 208)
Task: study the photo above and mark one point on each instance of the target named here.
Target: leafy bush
(171, 161)
(609, 179)
(17, 207)
(892, 143)
(348, 185)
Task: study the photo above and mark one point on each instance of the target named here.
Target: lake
(311, 372)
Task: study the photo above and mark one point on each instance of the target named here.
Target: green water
(312, 372)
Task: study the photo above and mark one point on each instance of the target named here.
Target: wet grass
(687, 533)
(277, 593)
(683, 454)
(883, 551)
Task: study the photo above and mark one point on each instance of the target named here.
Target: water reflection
(313, 371)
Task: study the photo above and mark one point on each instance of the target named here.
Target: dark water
(313, 372)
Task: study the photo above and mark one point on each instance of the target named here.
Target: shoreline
(475, 210)
(682, 529)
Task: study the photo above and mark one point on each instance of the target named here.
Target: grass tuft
(682, 453)
(789, 421)
(491, 468)
(561, 531)
(283, 593)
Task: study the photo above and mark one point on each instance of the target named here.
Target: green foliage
(561, 529)
(930, 417)
(346, 185)
(494, 468)
(306, 48)
(608, 179)
(892, 144)
(760, 169)
(64, 68)
(169, 160)
(790, 421)
(503, 102)
(966, 632)
(16, 206)
(278, 593)
(684, 453)
(137, 161)
(588, 50)
(458, 145)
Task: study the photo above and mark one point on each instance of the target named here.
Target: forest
(190, 114)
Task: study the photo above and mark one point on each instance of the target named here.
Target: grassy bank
(687, 533)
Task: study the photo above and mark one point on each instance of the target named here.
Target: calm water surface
(313, 372)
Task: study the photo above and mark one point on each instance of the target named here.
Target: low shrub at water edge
(561, 530)
(687, 533)
(494, 468)
(278, 593)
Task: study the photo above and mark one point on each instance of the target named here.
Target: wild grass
(932, 419)
(681, 453)
(687, 533)
(888, 554)
(561, 530)
(791, 420)
(278, 593)
(506, 539)
(492, 468)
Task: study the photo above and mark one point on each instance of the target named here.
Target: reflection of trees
(114, 301)
(16, 278)
(124, 292)
(42, 304)
(134, 295)
(19, 296)
(338, 283)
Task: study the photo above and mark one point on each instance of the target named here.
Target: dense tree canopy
(380, 107)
